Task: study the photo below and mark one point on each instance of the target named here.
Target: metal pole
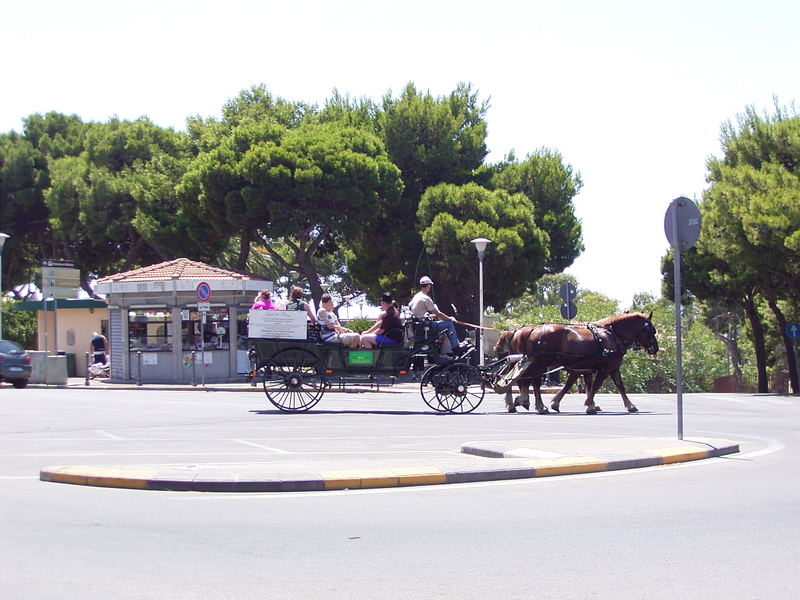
(87, 369)
(194, 368)
(1, 286)
(480, 314)
(678, 348)
(139, 373)
(203, 348)
(3, 238)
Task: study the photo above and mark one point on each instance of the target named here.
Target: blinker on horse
(595, 351)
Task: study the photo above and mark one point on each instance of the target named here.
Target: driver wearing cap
(422, 305)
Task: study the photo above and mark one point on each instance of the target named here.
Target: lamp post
(3, 238)
(480, 246)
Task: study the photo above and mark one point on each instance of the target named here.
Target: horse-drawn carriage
(296, 367)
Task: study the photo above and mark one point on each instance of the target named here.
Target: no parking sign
(203, 292)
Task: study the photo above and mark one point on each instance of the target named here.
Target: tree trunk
(758, 344)
(244, 252)
(791, 358)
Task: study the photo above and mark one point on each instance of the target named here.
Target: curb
(185, 479)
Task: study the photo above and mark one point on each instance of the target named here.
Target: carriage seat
(423, 329)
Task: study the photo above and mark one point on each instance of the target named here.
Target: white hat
(425, 280)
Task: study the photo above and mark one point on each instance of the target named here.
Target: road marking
(255, 445)
(106, 434)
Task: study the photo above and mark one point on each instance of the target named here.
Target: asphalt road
(718, 528)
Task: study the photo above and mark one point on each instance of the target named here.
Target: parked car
(15, 364)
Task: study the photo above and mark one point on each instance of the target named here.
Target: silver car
(15, 364)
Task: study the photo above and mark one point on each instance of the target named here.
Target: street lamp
(480, 246)
(3, 238)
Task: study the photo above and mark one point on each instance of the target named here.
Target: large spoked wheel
(453, 388)
(293, 380)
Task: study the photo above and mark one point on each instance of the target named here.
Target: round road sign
(203, 292)
(688, 221)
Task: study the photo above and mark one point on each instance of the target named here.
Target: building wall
(70, 330)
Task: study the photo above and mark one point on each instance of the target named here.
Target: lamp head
(480, 245)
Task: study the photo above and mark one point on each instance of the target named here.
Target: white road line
(106, 434)
(255, 445)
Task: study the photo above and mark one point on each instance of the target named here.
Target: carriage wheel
(292, 380)
(455, 388)
(427, 388)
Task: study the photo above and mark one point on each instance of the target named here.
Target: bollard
(194, 368)
(139, 373)
(87, 369)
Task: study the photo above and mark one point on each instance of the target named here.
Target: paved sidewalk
(478, 461)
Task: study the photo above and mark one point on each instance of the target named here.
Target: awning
(59, 303)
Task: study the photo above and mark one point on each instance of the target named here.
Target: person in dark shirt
(387, 330)
(99, 347)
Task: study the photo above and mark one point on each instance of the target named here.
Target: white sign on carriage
(277, 324)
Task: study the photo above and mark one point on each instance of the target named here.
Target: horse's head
(503, 346)
(645, 337)
(636, 330)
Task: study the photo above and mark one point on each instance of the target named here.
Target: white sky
(632, 93)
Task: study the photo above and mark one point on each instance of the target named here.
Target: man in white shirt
(422, 305)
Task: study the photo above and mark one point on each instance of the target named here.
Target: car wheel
(19, 383)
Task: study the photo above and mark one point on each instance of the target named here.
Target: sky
(631, 93)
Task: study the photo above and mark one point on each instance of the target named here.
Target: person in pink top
(263, 302)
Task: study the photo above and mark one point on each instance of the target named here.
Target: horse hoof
(554, 406)
(591, 410)
(543, 411)
(597, 408)
(632, 409)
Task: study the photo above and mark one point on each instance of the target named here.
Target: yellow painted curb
(420, 476)
(359, 478)
(567, 466)
(375, 478)
(98, 476)
(680, 454)
(340, 480)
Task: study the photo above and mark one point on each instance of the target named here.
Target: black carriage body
(337, 360)
(296, 368)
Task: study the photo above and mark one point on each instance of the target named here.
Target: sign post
(567, 292)
(60, 279)
(682, 226)
(203, 305)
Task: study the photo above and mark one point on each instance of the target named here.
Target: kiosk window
(150, 330)
(215, 333)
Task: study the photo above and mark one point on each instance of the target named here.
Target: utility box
(56, 370)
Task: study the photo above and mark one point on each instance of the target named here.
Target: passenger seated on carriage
(331, 329)
(388, 329)
(422, 305)
(296, 302)
(263, 301)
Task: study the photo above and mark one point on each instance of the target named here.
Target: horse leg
(537, 392)
(511, 406)
(524, 398)
(591, 408)
(571, 379)
(617, 378)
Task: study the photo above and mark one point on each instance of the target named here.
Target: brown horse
(595, 349)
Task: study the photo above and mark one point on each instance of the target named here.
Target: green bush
(360, 324)
(18, 326)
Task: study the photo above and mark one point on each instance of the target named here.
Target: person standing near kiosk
(99, 348)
